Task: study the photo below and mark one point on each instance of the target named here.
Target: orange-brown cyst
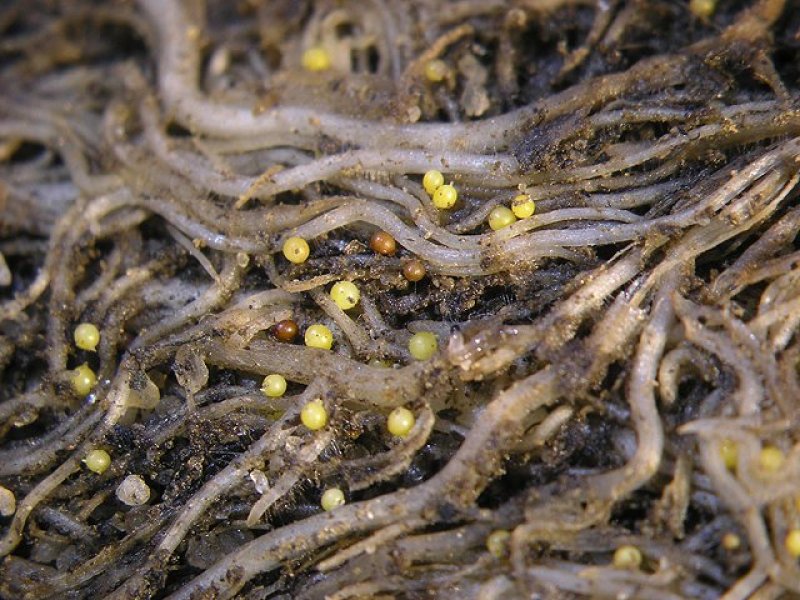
(285, 330)
(383, 243)
(414, 270)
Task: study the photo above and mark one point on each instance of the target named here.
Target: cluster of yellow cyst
(314, 416)
(770, 461)
(770, 458)
(501, 217)
(83, 378)
(444, 195)
(522, 207)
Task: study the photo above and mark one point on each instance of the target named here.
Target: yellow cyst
(702, 8)
(770, 459)
(87, 336)
(436, 70)
(97, 461)
(8, 502)
(432, 181)
(319, 336)
(500, 217)
(83, 379)
(731, 541)
(445, 197)
(523, 206)
(497, 543)
(313, 415)
(274, 385)
(345, 294)
(423, 345)
(729, 453)
(400, 421)
(792, 542)
(296, 250)
(316, 59)
(331, 498)
(627, 557)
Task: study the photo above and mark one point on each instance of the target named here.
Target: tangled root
(618, 369)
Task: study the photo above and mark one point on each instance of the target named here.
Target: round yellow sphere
(87, 336)
(332, 498)
(523, 206)
(400, 421)
(627, 557)
(702, 9)
(83, 379)
(345, 294)
(319, 336)
(97, 460)
(445, 197)
(296, 250)
(500, 217)
(497, 543)
(314, 415)
(316, 59)
(436, 70)
(274, 385)
(423, 345)
(731, 541)
(432, 181)
(792, 542)
(770, 459)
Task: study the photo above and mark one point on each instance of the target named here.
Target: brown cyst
(414, 270)
(285, 330)
(383, 243)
